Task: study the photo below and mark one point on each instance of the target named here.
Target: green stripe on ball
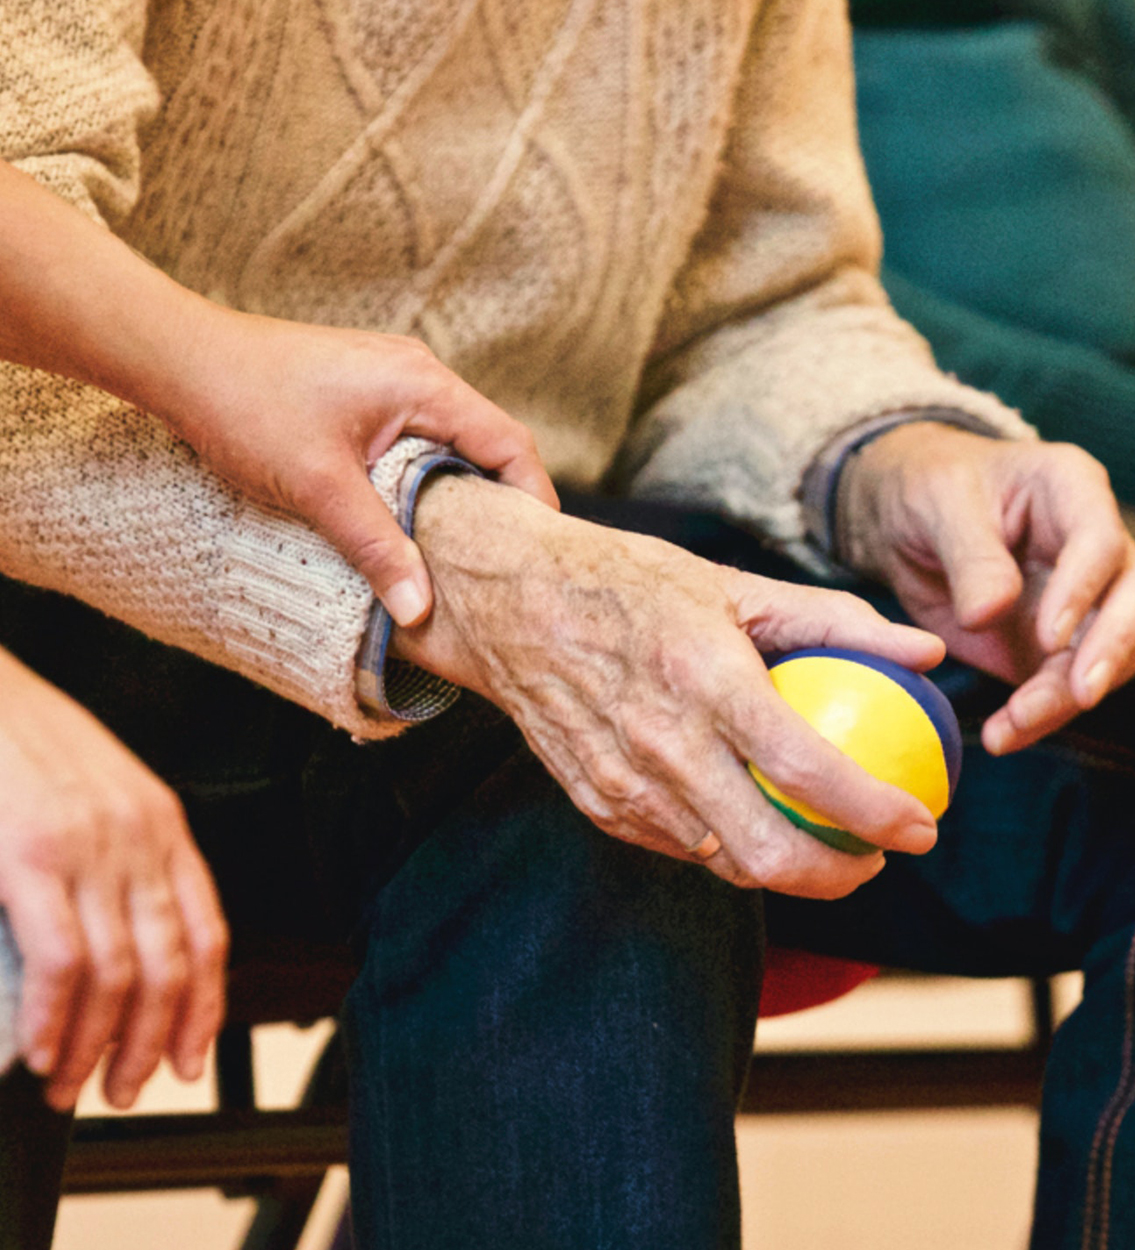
(838, 838)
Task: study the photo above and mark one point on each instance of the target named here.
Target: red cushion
(795, 980)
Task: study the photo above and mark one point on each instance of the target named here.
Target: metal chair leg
(282, 1215)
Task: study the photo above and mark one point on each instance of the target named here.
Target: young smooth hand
(1013, 552)
(123, 942)
(293, 415)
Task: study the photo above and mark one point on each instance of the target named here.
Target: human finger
(765, 849)
(805, 616)
(162, 975)
(207, 938)
(709, 812)
(1095, 552)
(1039, 706)
(825, 784)
(728, 687)
(485, 435)
(1105, 655)
(103, 992)
(336, 497)
(983, 576)
(48, 935)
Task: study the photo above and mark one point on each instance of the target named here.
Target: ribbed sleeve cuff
(298, 615)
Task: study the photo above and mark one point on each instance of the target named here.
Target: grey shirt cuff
(388, 687)
(819, 491)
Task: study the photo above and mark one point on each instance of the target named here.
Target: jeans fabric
(551, 1028)
(1033, 874)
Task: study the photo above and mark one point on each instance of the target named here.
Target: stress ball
(894, 723)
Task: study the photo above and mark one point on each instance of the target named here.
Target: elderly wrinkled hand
(634, 671)
(1013, 552)
(113, 910)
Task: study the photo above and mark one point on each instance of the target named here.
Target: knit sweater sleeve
(777, 335)
(99, 500)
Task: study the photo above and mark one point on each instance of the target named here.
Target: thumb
(984, 577)
(354, 519)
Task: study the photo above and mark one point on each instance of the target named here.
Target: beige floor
(940, 1181)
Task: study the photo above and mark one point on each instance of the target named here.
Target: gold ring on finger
(707, 847)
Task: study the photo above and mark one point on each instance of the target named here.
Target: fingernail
(64, 1098)
(1098, 681)
(40, 1061)
(917, 839)
(191, 1069)
(996, 737)
(1062, 629)
(405, 602)
(121, 1096)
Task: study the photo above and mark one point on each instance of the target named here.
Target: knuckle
(390, 554)
(412, 346)
(61, 962)
(593, 805)
(52, 840)
(126, 818)
(847, 605)
(169, 976)
(791, 766)
(213, 950)
(610, 777)
(114, 973)
(1114, 545)
(1073, 456)
(765, 864)
(699, 677)
(165, 809)
(521, 436)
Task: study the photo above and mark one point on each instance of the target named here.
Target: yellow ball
(892, 722)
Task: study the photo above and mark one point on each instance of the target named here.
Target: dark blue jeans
(551, 1028)
(1034, 873)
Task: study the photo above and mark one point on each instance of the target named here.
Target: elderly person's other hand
(113, 910)
(634, 671)
(1014, 553)
(291, 414)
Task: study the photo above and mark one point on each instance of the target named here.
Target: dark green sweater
(968, 165)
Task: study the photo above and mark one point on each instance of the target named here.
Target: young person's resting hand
(110, 903)
(291, 414)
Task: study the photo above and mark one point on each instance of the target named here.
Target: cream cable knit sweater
(640, 226)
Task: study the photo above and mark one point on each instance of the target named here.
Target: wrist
(180, 366)
(821, 486)
(485, 546)
(873, 482)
